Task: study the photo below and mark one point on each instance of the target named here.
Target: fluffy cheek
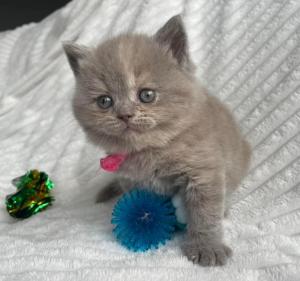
(93, 119)
(169, 114)
(110, 125)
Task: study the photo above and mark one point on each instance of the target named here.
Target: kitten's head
(134, 91)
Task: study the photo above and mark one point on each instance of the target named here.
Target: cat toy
(32, 195)
(144, 220)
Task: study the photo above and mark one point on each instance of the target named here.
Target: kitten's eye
(147, 95)
(104, 102)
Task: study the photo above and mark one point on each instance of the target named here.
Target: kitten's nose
(125, 117)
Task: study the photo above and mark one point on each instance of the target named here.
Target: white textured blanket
(247, 53)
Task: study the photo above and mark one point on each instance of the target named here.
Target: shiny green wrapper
(32, 195)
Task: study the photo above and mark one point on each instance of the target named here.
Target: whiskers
(143, 123)
(111, 125)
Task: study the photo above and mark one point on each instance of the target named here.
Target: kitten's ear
(173, 36)
(76, 54)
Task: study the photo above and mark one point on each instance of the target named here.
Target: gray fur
(186, 140)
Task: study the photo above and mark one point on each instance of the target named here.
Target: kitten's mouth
(129, 128)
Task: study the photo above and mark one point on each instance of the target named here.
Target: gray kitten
(138, 95)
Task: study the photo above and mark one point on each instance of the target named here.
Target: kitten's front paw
(206, 253)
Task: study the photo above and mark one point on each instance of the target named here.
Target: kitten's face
(132, 92)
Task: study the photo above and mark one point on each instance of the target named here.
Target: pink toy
(111, 163)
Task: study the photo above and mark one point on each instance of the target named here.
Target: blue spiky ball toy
(144, 220)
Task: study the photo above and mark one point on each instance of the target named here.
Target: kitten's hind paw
(109, 192)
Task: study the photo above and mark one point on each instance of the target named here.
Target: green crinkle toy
(32, 195)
